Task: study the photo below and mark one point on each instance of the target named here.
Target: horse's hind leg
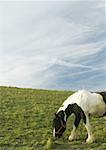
(104, 115)
(90, 138)
(73, 135)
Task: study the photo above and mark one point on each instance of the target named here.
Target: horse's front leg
(90, 138)
(73, 135)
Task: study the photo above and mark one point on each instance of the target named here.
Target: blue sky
(53, 44)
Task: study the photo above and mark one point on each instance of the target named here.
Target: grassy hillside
(26, 122)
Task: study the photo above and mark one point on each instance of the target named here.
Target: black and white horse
(82, 103)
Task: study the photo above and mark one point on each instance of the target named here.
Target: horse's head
(59, 124)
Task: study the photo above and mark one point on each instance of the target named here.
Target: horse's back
(91, 103)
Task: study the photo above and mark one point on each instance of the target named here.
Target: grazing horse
(82, 103)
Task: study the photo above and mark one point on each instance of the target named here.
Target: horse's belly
(97, 110)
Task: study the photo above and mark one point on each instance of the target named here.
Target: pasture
(26, 122)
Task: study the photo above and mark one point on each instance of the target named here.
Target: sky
(53, 44)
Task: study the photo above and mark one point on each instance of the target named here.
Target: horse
(82, 104)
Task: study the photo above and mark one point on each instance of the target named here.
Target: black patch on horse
(103, 94)
(79, 113)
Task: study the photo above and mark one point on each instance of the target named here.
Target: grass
(26, 122)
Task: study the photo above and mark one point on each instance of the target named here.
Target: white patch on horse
(54, 132)
(65, 116)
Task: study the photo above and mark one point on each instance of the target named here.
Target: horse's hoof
(104, 117)
(90, 140)
(72, 138)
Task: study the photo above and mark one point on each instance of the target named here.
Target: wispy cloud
(48, 45)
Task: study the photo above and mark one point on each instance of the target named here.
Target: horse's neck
(69, 110)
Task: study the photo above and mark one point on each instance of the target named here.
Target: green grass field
(26, 122)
